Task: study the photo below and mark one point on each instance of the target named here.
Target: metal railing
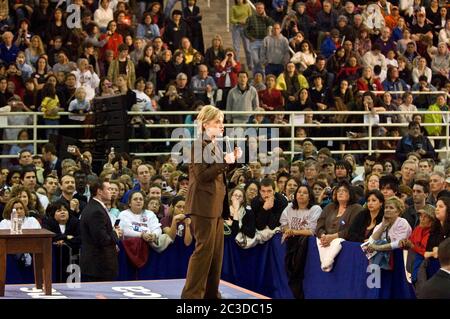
(369, 138)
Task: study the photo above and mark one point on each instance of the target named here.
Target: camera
(328, 191)
(164, 185)
(71, 149)
(229, 54)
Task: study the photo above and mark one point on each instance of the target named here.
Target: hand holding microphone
(231, 155)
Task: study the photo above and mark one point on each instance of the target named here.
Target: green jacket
(434, 118)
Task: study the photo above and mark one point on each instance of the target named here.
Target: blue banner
(262, 270)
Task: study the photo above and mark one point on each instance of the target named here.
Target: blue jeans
(49, 131)
(256, 47)
(237, 35)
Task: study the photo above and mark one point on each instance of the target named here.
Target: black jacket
(271, 217)
(72, 229)
(98, 256)
(357, 231)
(437, 287)
(248, 225)
(409, 144)
(49, 167)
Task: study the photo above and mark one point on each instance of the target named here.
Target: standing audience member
(98, 259)
(255, 31)
(298, 221)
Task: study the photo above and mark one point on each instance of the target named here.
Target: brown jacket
(329, 224)
(207, 191)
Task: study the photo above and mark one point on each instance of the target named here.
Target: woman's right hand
(178, 218)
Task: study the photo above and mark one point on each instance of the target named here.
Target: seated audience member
(34, 208)
(334, 223)
(438, 287)
(267, 208)
(291, 186)
(441, 227)
(364, 223)
(420, 192)
(388, 234)
(241, 220)
(176, 223)
(22, 212)
(141, 223)
(28, 223)
(414, 141)
(417, 242)
(389, 185)
(298, 221)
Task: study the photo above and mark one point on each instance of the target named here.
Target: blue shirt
(8, 55)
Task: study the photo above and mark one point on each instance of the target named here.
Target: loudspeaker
(109, 103)
(111, 126)
(111, 133)
(102, 148)
(61, 143)
(111, 118)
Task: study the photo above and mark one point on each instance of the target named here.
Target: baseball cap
(428, 210)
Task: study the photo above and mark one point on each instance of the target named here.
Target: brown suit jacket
(207, 191)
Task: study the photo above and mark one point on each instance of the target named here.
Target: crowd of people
(316, 56)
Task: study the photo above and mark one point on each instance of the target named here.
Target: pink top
(398, 231)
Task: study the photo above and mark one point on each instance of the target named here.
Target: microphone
(226, 139)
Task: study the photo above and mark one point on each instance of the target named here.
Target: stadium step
(215, 21)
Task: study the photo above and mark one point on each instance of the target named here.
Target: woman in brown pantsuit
(206, 203)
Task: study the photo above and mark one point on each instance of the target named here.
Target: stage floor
(149, 289)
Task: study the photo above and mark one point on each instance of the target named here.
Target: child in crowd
(79, 106)
(50, 106)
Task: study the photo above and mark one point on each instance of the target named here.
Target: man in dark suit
(99, 251)
(207, 202)
(51, 161)
(438, 287)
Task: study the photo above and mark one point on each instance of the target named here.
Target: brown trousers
(205, 264)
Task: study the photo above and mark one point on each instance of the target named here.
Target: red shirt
(419, 238)
(272, 101)
(231, 71)
(364, 86)
(113, 44)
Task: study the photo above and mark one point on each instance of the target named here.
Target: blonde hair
(208, 113)
(167, 166)
(394, 200)
(174, 175)
(366, 182)
(79, 91)
(40, 49)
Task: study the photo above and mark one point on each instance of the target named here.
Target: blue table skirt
(261, 269)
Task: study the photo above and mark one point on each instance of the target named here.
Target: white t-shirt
(43, 200)
(135, 224)
(29, 223)
(298, 219)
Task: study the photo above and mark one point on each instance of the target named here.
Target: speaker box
(103, 147)
(61, 143)
(109, 103)
(111, 118)
(111, 133)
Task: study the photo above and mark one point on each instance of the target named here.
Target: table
(35, 241)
